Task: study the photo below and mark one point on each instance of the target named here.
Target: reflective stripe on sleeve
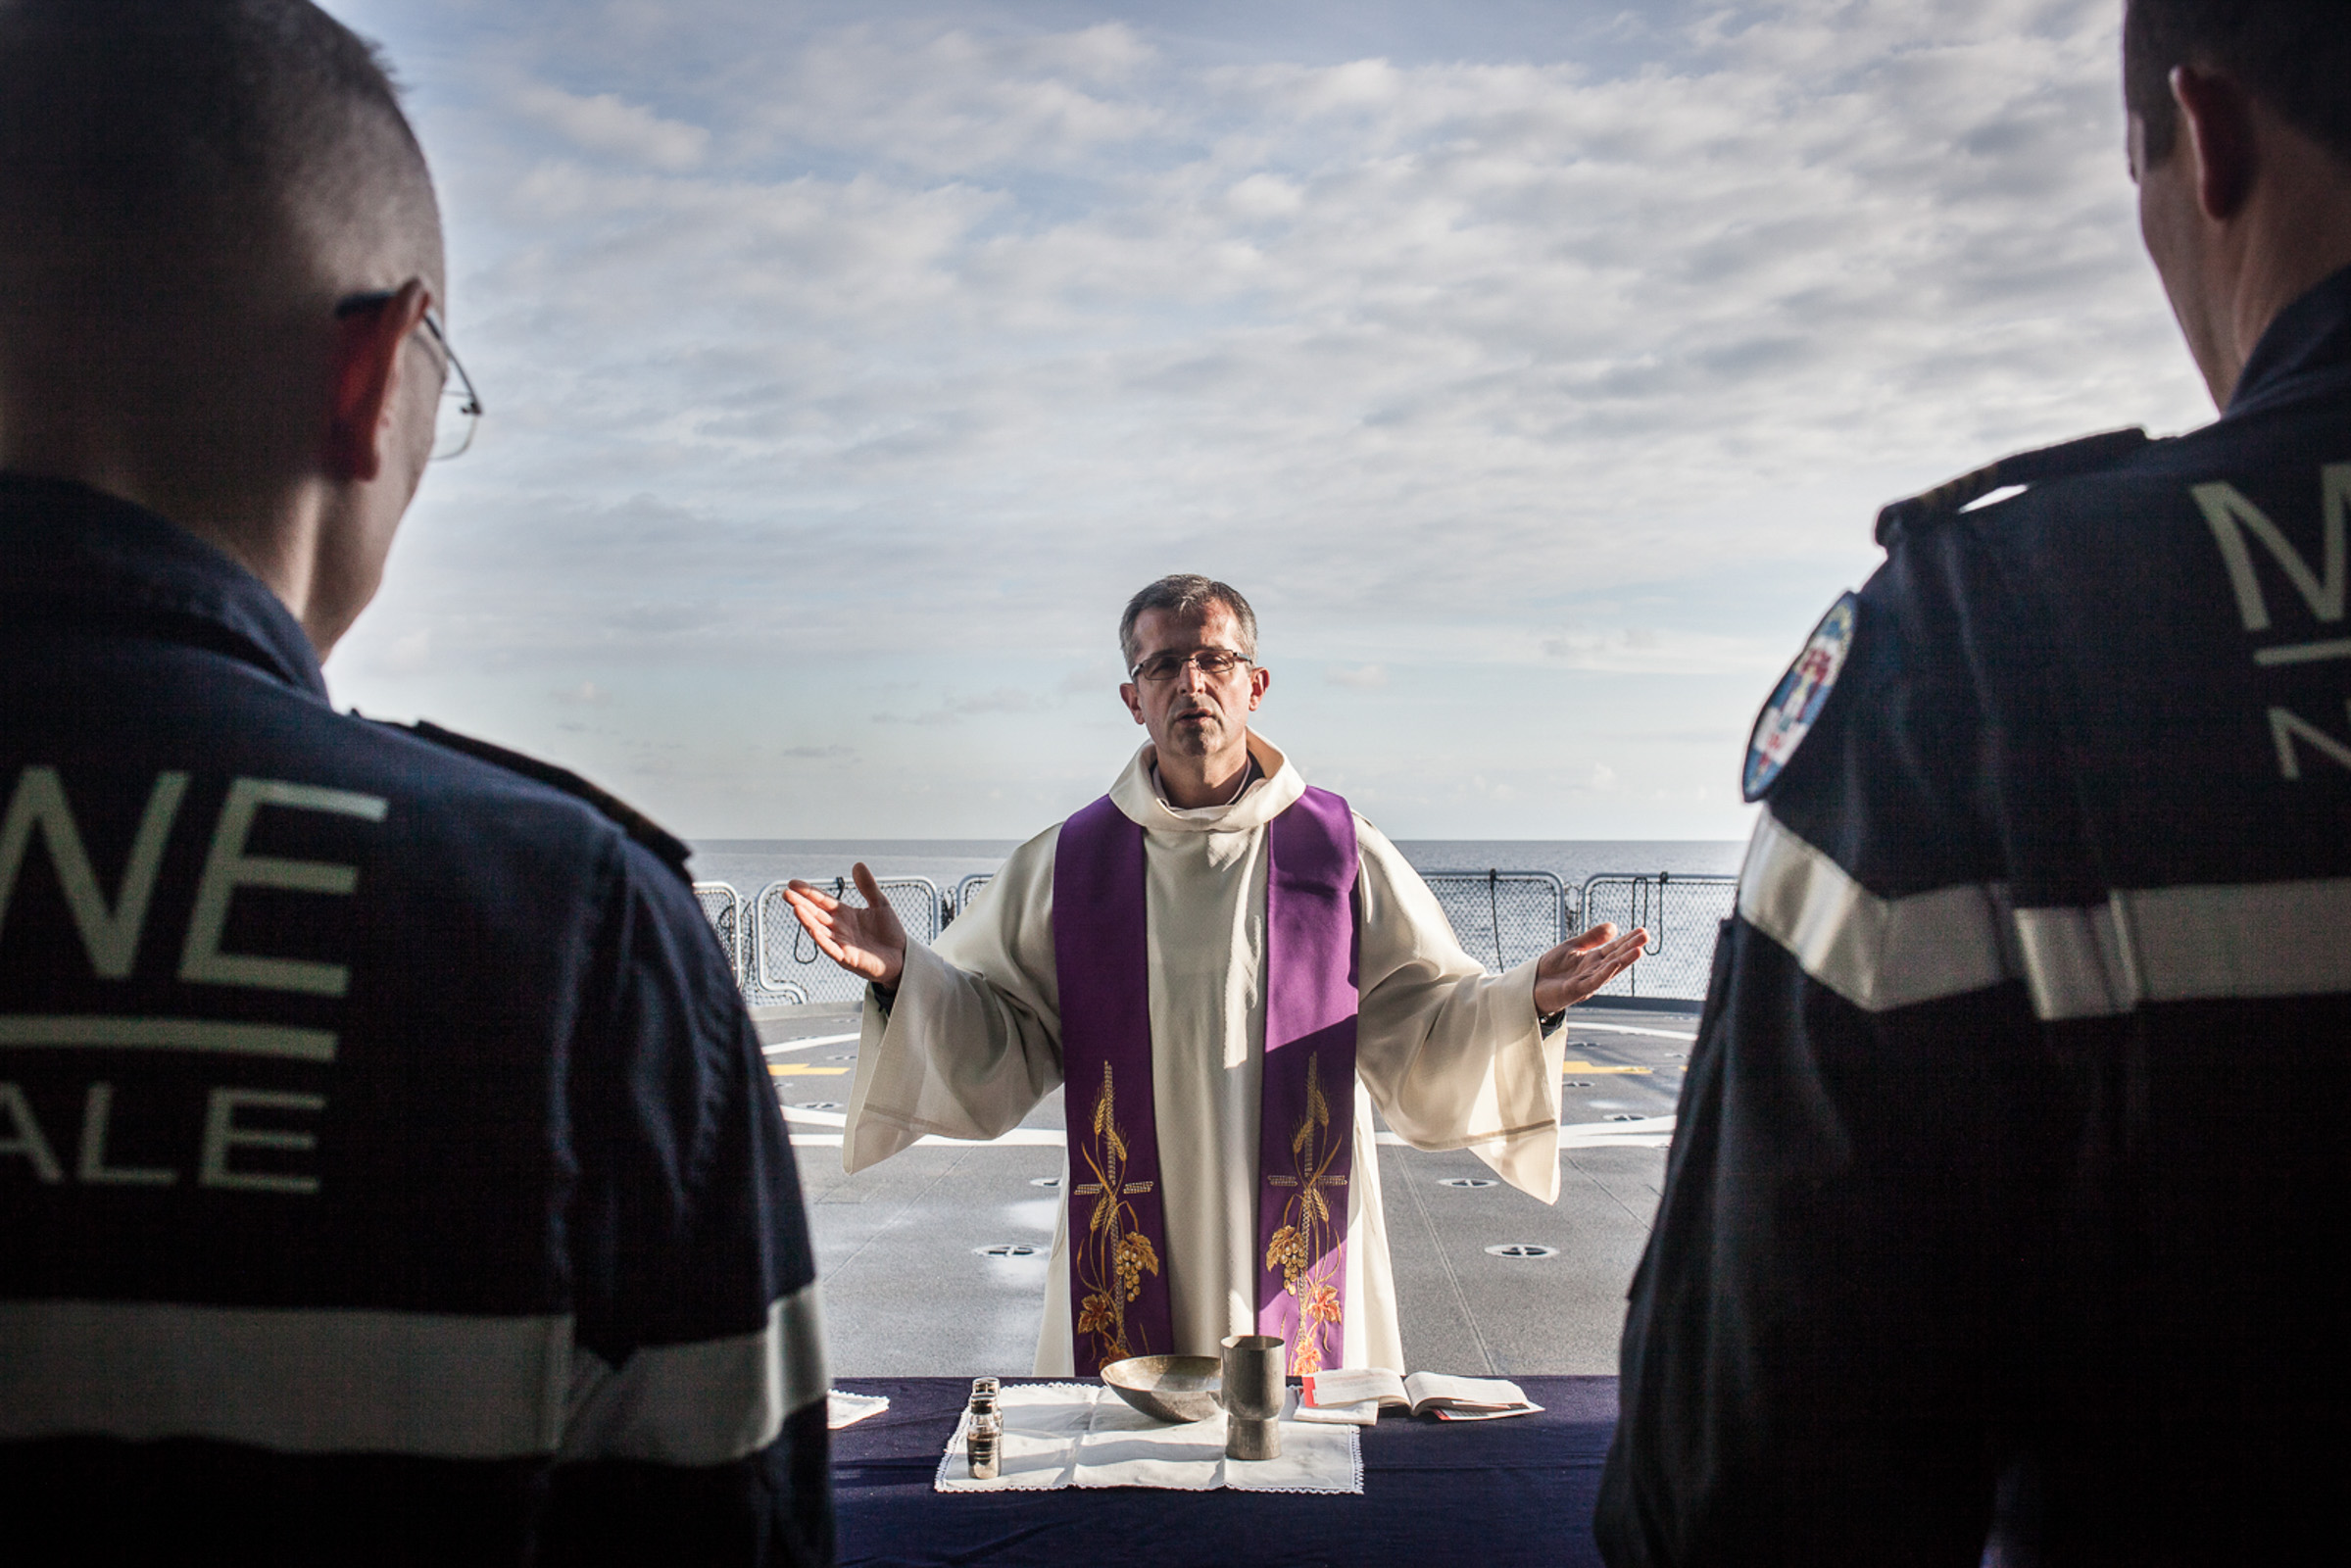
(2075, 962)
(2173, 944)
(2184, 944)
(429, 1385)
(425, 1385)
(1874, 952)
(705, 1402)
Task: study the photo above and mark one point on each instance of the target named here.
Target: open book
(1356, 1395)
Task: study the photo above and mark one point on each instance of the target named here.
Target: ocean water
(749, 864)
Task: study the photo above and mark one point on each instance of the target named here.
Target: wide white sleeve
(1454, 1058)
(972, 1040)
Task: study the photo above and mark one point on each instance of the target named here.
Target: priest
(1227, 969)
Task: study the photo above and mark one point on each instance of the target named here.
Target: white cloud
(1648, 650)
(933, 336)
(1360, 677)
(605, 124)
(410, 650)
(1264, 196)
(974, 704)
(942, 99)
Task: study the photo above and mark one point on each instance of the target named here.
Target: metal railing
(969, 889)
(1683, 915)
(722, 907)
(738, 934)
(786, 956)
(1501, 918)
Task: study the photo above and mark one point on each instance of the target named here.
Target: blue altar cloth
(1456, 1493)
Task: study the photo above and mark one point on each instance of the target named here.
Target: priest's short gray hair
(1188, 594)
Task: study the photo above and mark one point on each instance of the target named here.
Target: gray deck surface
(908, 1291)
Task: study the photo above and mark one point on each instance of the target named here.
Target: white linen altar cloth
(1084, 1435)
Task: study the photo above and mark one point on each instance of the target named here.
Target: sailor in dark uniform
(389, 1169)
(2010, 1200)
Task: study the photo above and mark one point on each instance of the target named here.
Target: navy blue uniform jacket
(388, 1167)
(2011, 1191)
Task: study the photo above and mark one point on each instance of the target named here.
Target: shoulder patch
(2067, 458)
(672, 850)
(1795, 703)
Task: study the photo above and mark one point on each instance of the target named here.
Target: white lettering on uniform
(26, 1137)
(2232, 515)
(221, 1133)
(227, 867)
(2286, 728)
(109, 937)
(97, 1108)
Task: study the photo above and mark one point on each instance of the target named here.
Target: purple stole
(1306, 1119)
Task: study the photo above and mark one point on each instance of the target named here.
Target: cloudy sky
(1535, 366)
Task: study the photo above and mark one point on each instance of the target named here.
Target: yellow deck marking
(781, 1071)
(1566, 1068)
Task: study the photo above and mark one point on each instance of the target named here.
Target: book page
(1427, 1389)
(1354, 1385)
(1479, 1413)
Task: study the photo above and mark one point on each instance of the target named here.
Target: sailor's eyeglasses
(460, 409)
(1214, 662)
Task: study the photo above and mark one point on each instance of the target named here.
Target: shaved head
(186, 187)
(2291, 54)
(199, 130)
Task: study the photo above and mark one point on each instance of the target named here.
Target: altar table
(1454, 1494)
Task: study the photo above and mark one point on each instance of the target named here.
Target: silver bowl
(1167, 1387)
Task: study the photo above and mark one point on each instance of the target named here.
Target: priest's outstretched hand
(866, 942)
(1581, 965)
